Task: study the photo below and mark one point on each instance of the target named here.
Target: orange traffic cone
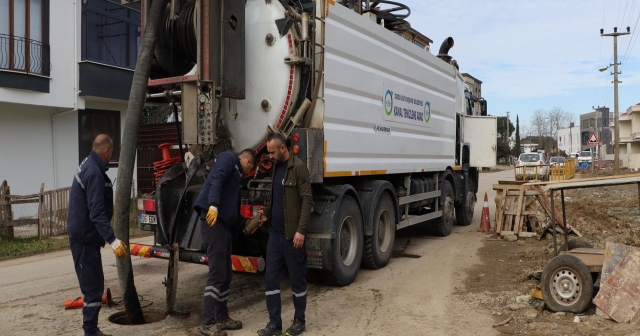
(79, 302)
(485, 224)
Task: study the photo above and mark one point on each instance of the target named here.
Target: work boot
(100, 333)
(230, 324)
(212, 330)
(270, 330)
(297, 328)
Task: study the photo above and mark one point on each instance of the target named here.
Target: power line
(634, 39)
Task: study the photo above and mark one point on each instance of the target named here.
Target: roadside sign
(593, 139)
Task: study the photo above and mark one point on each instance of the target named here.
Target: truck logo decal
(427, 112)
(407, 105)
(388, 102)
(382, 129)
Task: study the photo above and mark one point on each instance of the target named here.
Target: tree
(502, 129)
(516, 148)
(128, 156)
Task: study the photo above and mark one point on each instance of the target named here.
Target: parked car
(557, 160)
(585, 156)
(531, 166)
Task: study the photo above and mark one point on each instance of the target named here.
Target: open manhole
(150, 316)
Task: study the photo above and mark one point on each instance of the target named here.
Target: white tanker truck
(386, 128)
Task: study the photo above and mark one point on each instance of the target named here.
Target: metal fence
(563, 171)
(24, 55)
(39, 215)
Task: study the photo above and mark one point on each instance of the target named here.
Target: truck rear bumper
(238, 263)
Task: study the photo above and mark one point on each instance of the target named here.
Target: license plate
(148, 219)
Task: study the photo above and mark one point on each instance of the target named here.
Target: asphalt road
(413, 295)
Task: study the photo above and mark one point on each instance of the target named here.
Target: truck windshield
(584, 154)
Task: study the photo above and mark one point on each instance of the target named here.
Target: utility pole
(616, 150)
(507, 128)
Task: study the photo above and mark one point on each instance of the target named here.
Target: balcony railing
(24, 55)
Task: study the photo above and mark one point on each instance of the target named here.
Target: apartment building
(65, 74)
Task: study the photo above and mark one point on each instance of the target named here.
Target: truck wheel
(378, 246)
(444, 224)
(346, 248)
(567, 285)
(464, 214)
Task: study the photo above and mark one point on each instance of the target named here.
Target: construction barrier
(563, 171)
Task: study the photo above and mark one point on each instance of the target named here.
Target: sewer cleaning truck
(386, 128)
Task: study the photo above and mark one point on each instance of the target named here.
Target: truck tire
(346, 248)
(464, 213)
(444, 224)
(567, 284)
(378, 246)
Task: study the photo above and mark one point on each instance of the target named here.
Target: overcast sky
(538, 54)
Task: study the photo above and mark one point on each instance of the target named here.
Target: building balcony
(25, 64)
(24, 55)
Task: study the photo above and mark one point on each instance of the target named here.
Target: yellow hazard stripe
(247, 265)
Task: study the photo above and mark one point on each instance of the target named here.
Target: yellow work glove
(212, 216)
(119, 248)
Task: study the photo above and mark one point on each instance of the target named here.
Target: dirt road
(413, 295)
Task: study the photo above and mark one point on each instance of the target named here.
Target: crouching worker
(219, 208)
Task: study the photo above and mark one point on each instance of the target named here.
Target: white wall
(564, 139)
(65, 147)
(27, 159)
(64, 44)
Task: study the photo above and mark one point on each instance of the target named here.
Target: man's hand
(298, 240)
(119, 248)
(263, 217)
(212, 216)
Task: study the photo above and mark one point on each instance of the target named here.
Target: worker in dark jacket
(289, 213)
(219, 206)
(88, 226)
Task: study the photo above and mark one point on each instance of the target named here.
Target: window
(585, 138)
(110, 33)
(419, 44)
(94, 122)
(24, 36)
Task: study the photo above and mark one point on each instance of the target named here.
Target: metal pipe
(165, 93)
(553, 226)
(305, 34)
(564, 219)
(443, 53)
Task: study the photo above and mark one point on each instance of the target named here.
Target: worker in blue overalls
(88, 226)
(219, 206)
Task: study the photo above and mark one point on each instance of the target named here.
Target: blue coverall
(88, 226)
(222, 189)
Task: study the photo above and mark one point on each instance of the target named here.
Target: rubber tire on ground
(372, 256)
(463, 216)
(442, 226)
(567, 269)
(341, 274)
(574, 244)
